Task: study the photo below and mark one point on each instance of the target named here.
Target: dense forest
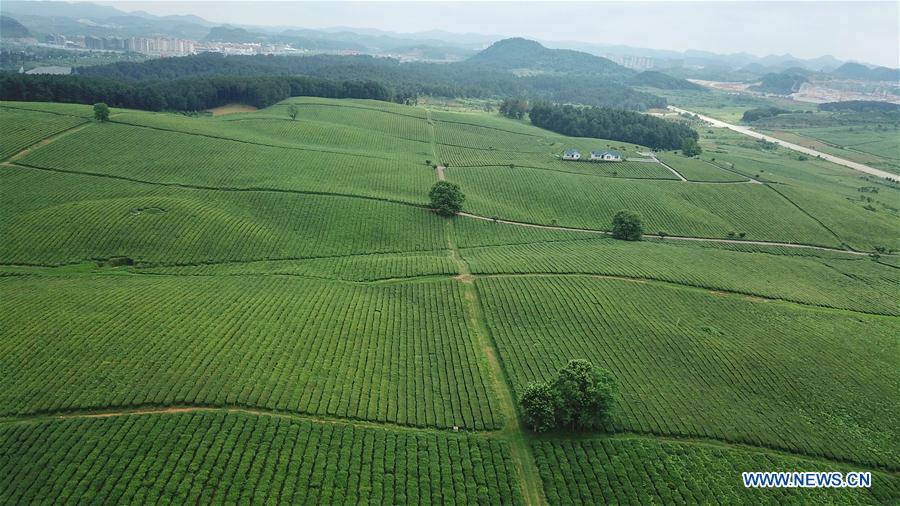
(859, 106)
(605, 123)
(182, 94)
(455, 80)
(762, 113)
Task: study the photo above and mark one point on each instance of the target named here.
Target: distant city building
(92, 42)
(152, 46)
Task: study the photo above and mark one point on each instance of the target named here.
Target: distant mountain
(858, 71)
(524, 54)
(663, 81)
(60, 9)
(231, 34)
(12, 29)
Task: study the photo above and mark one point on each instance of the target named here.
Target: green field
(210, 457)
(247, 308)
(644, 471)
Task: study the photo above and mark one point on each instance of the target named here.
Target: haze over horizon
(858, 31)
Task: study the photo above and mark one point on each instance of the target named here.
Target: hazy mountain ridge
(68, 18)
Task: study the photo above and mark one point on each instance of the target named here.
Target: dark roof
(571, 152)
(605, 151)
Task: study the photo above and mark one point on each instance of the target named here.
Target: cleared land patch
(231, 109)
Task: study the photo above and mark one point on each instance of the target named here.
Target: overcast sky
(863, 31)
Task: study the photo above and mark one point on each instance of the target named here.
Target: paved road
(825, 156)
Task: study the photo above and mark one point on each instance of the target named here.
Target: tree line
(614, 124)
(453, 80)
(192, 94)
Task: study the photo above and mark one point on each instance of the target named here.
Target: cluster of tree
(627, 226)
(690, 147)
(761, 113)
(579, 397)
(515, 108)
(619, 125)
(455, 80)
(859, 106)
(183, 94)
(782, 83)
(446, 198)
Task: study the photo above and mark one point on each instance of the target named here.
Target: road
(825, 156)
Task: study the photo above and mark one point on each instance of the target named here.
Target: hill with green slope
(521, 54)
(254, 308)
(12, 29)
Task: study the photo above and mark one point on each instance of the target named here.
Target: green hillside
(253, 309)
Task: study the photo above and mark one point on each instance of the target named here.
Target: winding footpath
(796, 147)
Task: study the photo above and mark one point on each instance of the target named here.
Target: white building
(571, 154)
(606, 156)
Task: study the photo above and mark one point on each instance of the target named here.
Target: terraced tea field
(245, 457)
(252, 309)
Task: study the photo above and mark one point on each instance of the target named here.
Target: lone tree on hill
(627, 226)
(581, 396)
(293, 111)
(446, 198)
(101, 111)
(689, 147)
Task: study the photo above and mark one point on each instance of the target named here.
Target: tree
(446, 198)
(627, 226)
(540, 403)
(689, 147)
(515, 108)
(293, 111)
(101, 111)
(586, 394)
(581, 396)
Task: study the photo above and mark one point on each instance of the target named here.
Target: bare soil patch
(231, 109)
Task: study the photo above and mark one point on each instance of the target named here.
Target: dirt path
(48, 140)
(440, 173)
(812, 152)
(523, 461)
(668, 237)
(672, 170)
(171, 410)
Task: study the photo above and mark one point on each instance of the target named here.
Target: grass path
(527, 472)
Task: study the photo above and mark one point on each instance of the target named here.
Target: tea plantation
(253, 309)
